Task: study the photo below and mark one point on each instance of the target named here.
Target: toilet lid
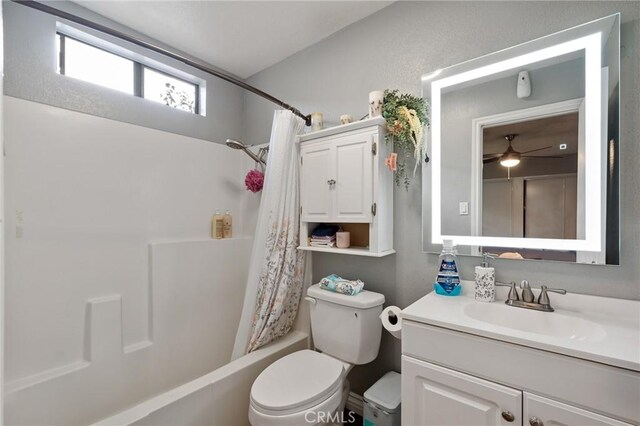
(299, 380)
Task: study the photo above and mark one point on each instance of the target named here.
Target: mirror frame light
(592, 45)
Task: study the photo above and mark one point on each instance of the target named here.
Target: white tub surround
(115, 291)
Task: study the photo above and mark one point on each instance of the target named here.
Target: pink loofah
(254, 180)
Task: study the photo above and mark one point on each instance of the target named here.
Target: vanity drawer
(612, 391)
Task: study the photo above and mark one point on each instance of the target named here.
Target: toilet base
(346, 388)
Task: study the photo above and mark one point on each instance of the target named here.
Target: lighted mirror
(523, 150)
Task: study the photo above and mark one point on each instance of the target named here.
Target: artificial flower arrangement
(406, 116)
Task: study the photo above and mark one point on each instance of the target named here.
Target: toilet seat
(309, 416)
(296, 382)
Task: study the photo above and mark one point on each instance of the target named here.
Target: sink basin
(552, 324)
(593, 328)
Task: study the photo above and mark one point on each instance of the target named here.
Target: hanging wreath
(406, 116)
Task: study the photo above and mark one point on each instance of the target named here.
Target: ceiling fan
(511, 157)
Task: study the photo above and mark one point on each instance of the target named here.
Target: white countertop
(594, 328)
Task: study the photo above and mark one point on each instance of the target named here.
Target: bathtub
(217, 398)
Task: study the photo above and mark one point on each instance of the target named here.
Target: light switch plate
(464, 208)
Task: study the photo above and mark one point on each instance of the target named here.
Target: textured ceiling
(241, 37)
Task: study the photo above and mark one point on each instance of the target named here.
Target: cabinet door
(353, 188)
(316, 170)
(539, 411)
(437, 396)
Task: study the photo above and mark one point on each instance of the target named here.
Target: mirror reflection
(516, 151)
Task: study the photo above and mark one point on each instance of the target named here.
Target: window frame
(138, 72)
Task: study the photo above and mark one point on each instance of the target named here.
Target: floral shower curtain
(276, 270)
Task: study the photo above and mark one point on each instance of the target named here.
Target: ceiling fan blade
(534, 150)
(485, 156)
(490, 160)
(542, 156)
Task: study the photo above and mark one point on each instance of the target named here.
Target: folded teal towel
(338, 284)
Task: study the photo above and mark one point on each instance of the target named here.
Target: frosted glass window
(171, 91)
(82, 61)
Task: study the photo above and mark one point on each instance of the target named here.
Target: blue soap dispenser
(448, 280)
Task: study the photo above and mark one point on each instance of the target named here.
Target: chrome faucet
(527, 294)
(527, 302)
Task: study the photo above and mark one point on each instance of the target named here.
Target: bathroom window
(81, 60)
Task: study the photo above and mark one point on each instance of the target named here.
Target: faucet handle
(513, 291)
(543, 299)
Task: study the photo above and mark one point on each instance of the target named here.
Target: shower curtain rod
(104, 29)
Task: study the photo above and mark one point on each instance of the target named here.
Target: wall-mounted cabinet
(343, 180)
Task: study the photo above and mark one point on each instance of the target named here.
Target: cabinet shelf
(356, 251)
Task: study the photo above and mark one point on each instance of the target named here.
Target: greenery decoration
(406, 116)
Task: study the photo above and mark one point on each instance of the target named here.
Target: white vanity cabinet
(455, 378)
(437, 396)
(433, 395)
(343, 180)
(540, 411)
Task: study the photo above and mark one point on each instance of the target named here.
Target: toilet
(309, 387)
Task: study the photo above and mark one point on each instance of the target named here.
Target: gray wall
(392, 49)
(559, 82)
(30, 73)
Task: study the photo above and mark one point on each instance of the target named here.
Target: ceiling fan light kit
(510, 157)
(510, 160)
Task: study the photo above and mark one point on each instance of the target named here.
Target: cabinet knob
(508, 416)
(331, 182)
(534, 421)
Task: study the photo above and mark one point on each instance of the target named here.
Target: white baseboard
(355, 403)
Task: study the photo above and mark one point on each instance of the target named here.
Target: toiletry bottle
(448, 280)
(485, 280)
(227, 225)
(217, 226)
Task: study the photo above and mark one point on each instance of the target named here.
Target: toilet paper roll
(392, 321)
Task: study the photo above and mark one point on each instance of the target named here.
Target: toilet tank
(346, 327)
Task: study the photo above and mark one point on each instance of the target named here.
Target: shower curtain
(276, 270)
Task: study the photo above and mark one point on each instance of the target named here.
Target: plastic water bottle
(448, 280)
